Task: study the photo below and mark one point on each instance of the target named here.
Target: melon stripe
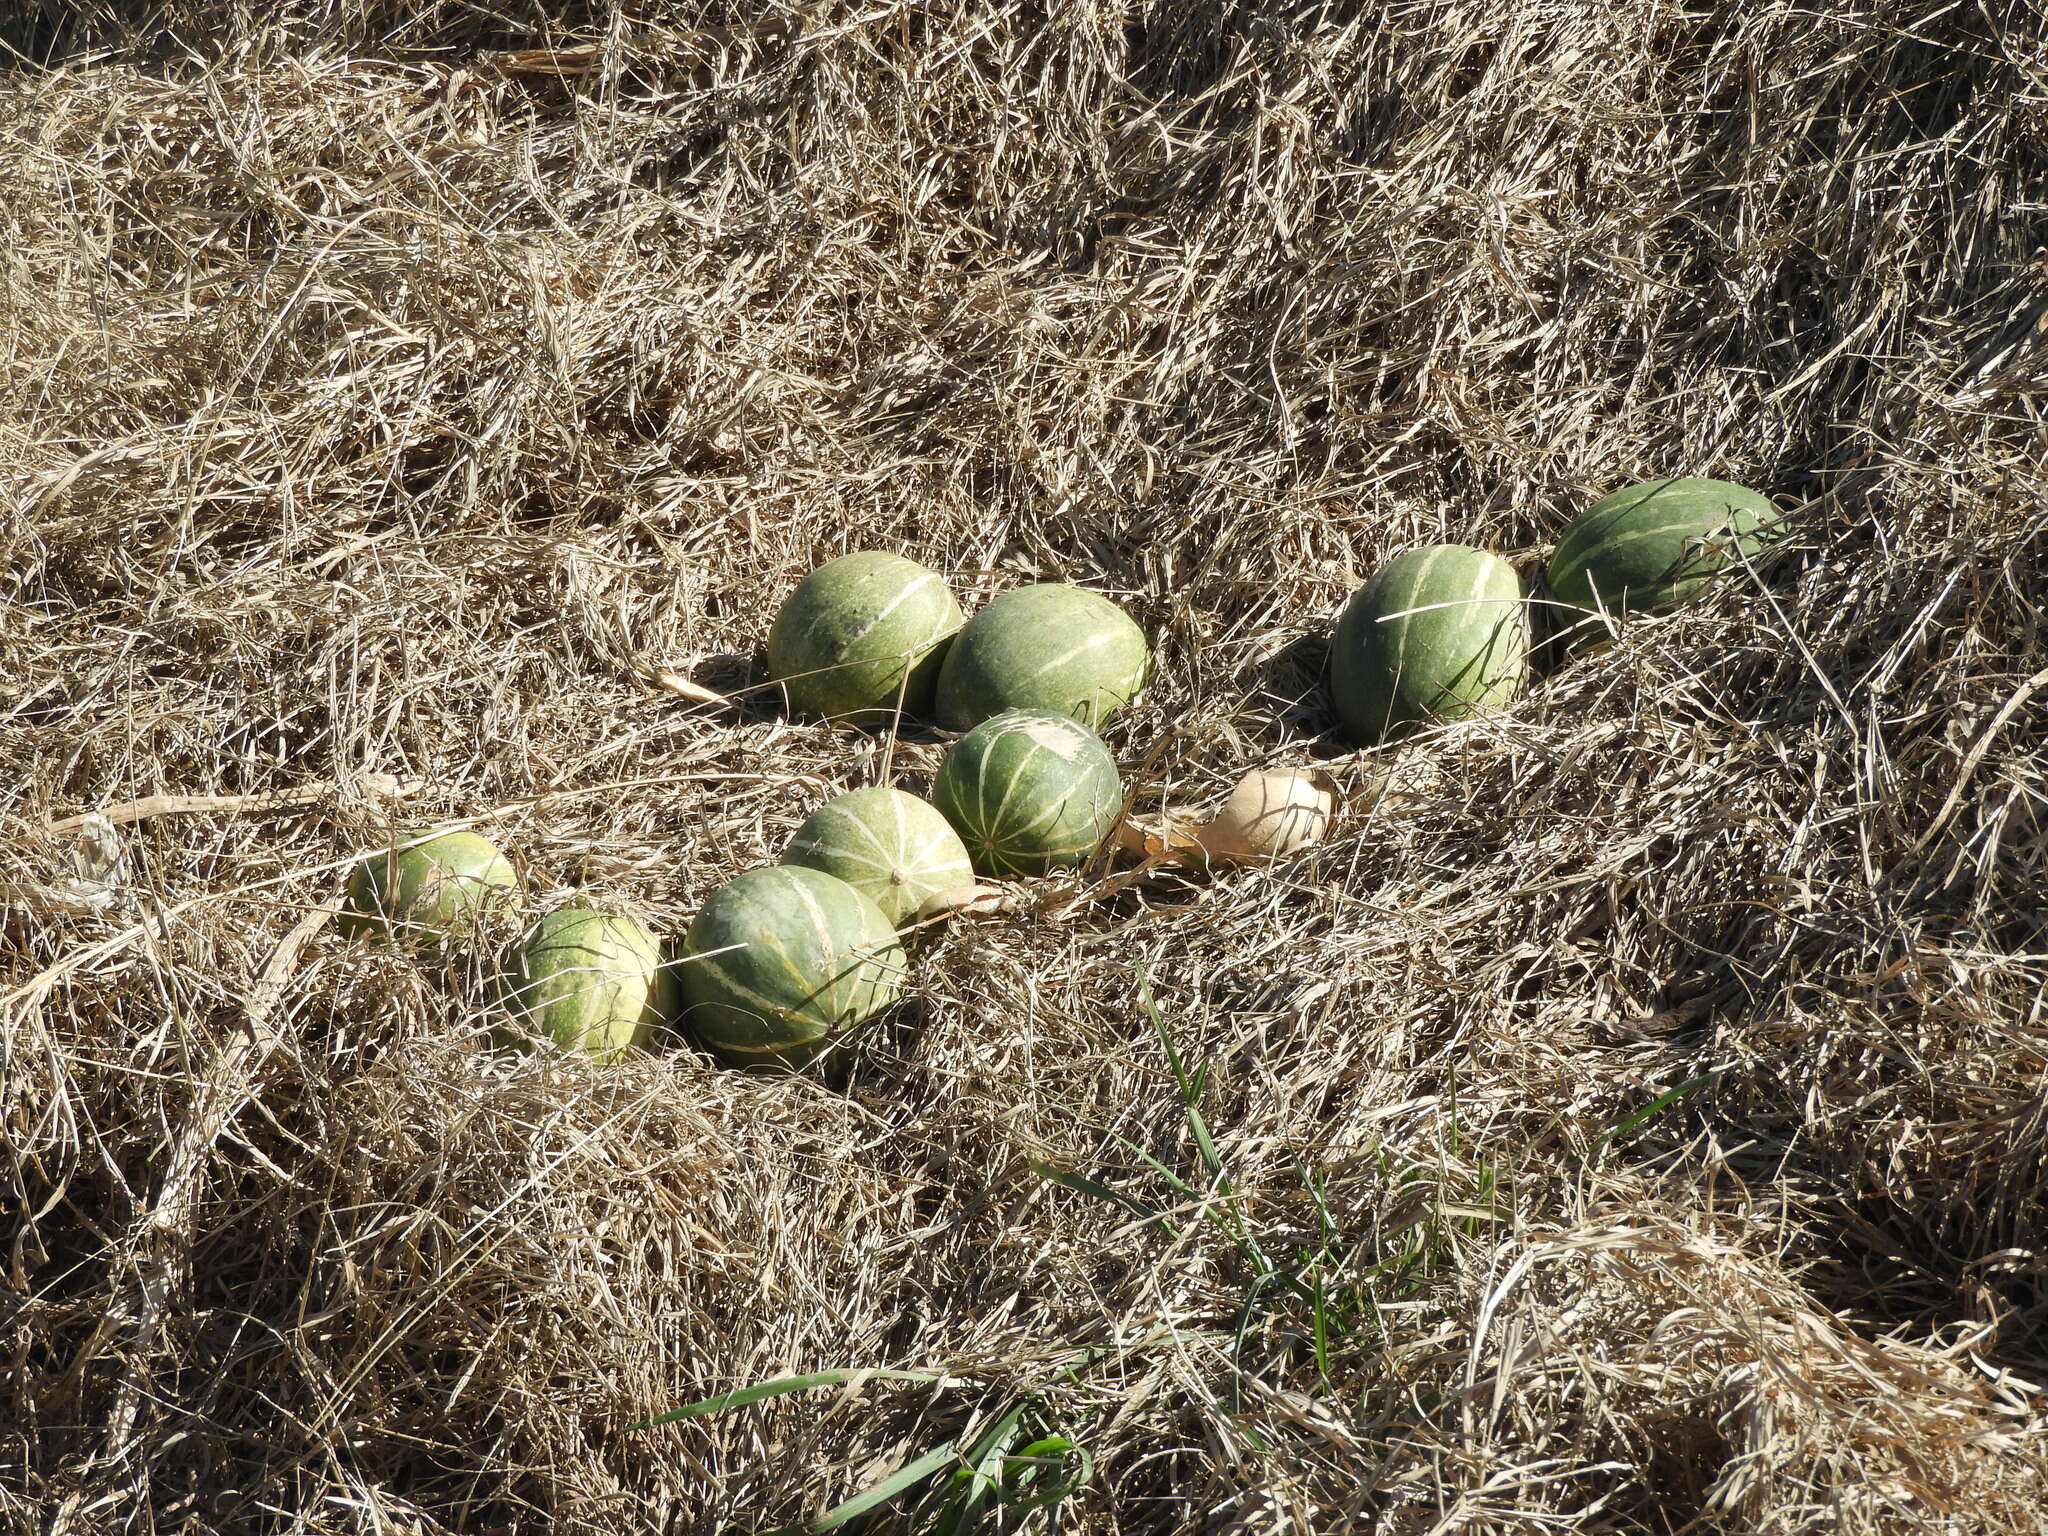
(981, 785)
(802, 955)
(1050, 647)
(1415, 585)
(1456, 602)
(873, 837)
(1641, 534)
(1086, 845)
(731, 981)
(1093, 642)
(773, 944)
(1016, 778)
(753, 1050)
(932, 848)
(844, 855)
(863, 635)
(890, 846)
(882, 617)
(1024, 829)
(1593, 530)
(1652, 545)
(819, 924)
(902, 827)
(1029, 790)
(1673, 523)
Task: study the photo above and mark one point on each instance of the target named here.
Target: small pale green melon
(1029, 790)
(861, 632)
(1046, 647)
(891, 847)
(782, 962)
(428, 889)
(1651, 546)
(589, 981)
(1441, 633)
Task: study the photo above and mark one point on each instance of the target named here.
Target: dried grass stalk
(1630, 1121)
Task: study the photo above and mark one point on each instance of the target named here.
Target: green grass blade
(898, 1482)
(1190, 1084)
(1021, 1472)
(1152, 1011)
(766, 1389)
(1204, 1145)
(1319, 1315)
(1107, 1194)
(1658, 1105)
(1166, 1173)
(978, 1482)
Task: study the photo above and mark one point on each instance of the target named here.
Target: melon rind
(1029, 790)
(589, 981)
(783, 961)
(1052, 647)
(860, 632)
(1649, 547)
(890, 846)
(431, 887)
(1439, 634)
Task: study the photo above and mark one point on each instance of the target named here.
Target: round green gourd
(427, 889)
(891, 847)
(1046, 647)
(783, 961)
(1029, 790)
(1441, 633)
(859, 633)
(589, 981)
(1652, 545)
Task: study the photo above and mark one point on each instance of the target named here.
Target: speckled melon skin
(781, 962)
(861, 633)
(892, 847)
(1029, 790)
(1050, 647)
(1441, 633)
(1649, 547)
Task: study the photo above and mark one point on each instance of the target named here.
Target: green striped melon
(781, 962)
(891, 847)
(1045, 647)
(589, 981)
(1029, 790)
(1653, 545)
(1441, 633)
(861, 632)
(427, 889)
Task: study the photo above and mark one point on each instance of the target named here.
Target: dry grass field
(1632, 1120)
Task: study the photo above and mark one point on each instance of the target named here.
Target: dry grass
(371, 403)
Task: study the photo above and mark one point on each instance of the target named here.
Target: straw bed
(1629, 1121)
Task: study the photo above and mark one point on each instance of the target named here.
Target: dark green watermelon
(1029, 790)
(1442, 633)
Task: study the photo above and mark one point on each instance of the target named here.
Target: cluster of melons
(591, 980)
(781, 963)
(1444, 632)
